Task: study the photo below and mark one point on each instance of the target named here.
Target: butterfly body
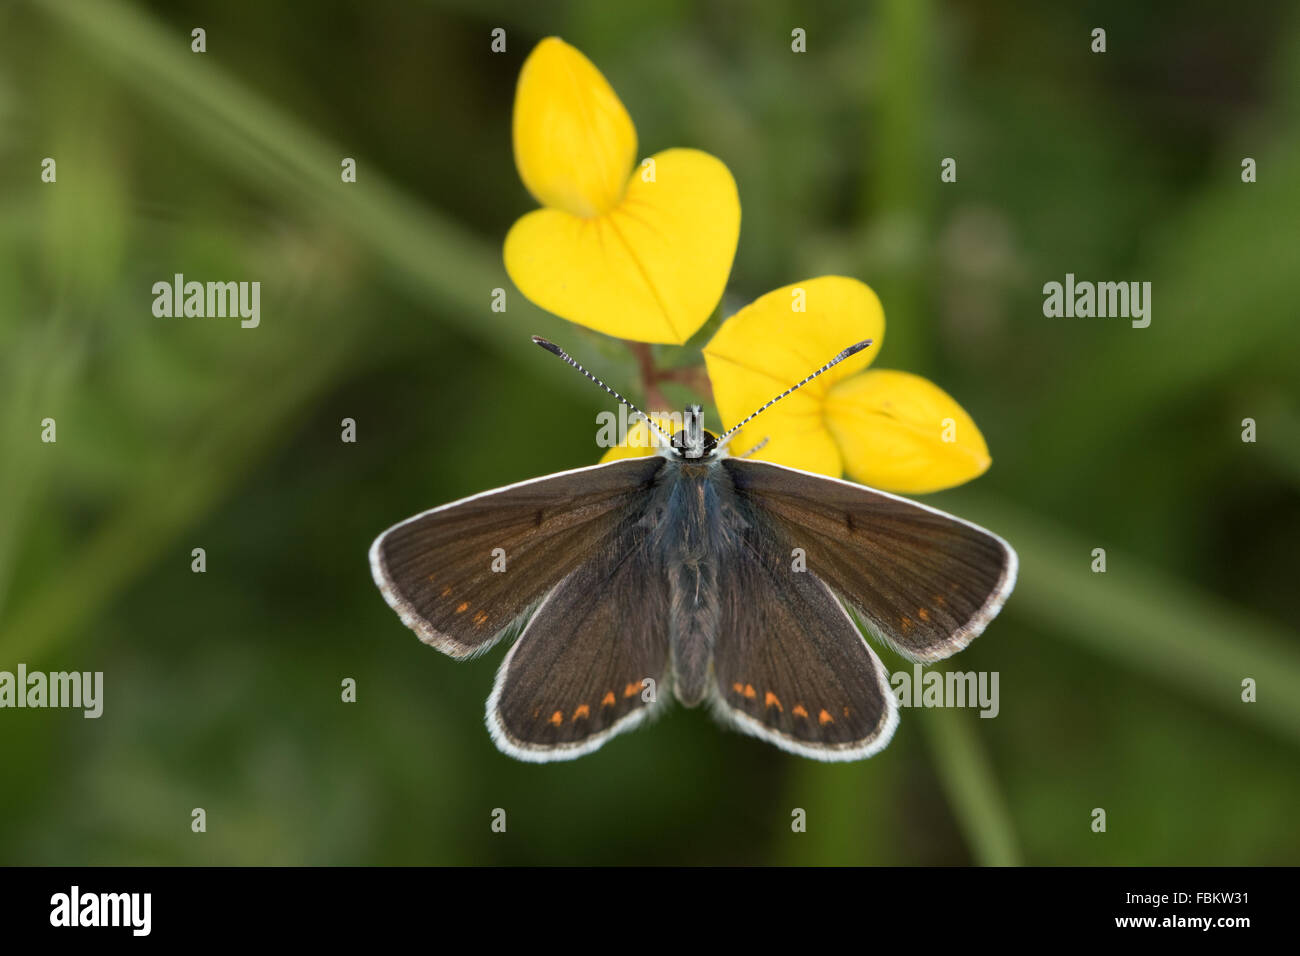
(683, 522)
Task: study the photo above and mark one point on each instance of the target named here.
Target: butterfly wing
(593, 661)
(459, 575)
(790, 665)
(923, 581)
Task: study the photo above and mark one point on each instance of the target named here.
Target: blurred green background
(1120, 691)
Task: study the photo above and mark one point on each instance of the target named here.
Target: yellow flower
(640, 253)
(891, 430)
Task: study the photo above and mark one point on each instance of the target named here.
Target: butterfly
(695, 574)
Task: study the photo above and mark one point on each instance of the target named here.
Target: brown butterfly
(680, 570)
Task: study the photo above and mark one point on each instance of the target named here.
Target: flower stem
(693, 377)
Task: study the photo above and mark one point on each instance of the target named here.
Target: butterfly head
(693, 442)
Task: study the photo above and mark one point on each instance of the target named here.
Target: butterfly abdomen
(691, 549)
(692, 625)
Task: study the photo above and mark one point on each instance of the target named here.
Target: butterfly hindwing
(460, 574)
(790, 665)
(923, 581)
(593, 660)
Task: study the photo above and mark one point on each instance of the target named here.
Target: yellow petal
(770, 345)
(652, 269)
(900, 432)
(794, 440)
(574, 142)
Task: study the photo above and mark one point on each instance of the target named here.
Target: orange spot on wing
(557, 718)
(631, 689)
(582, 711)
(940, 600)
(738, 687)
(749, 691)
(480, 618)
(923, 614)
(799, 711)
(462, 607)
(770, 700)
(824, 718)
(608, 700)
(446, 592)
(907, 624)
(846, 711)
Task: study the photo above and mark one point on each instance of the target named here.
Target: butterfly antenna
(556, 350)
(851, 350)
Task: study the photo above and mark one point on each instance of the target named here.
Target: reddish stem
(650, 377)
(693, 377)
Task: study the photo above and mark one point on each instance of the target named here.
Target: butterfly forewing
(593, 660)
(460, 574)
(923, 581)
(790, 665)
